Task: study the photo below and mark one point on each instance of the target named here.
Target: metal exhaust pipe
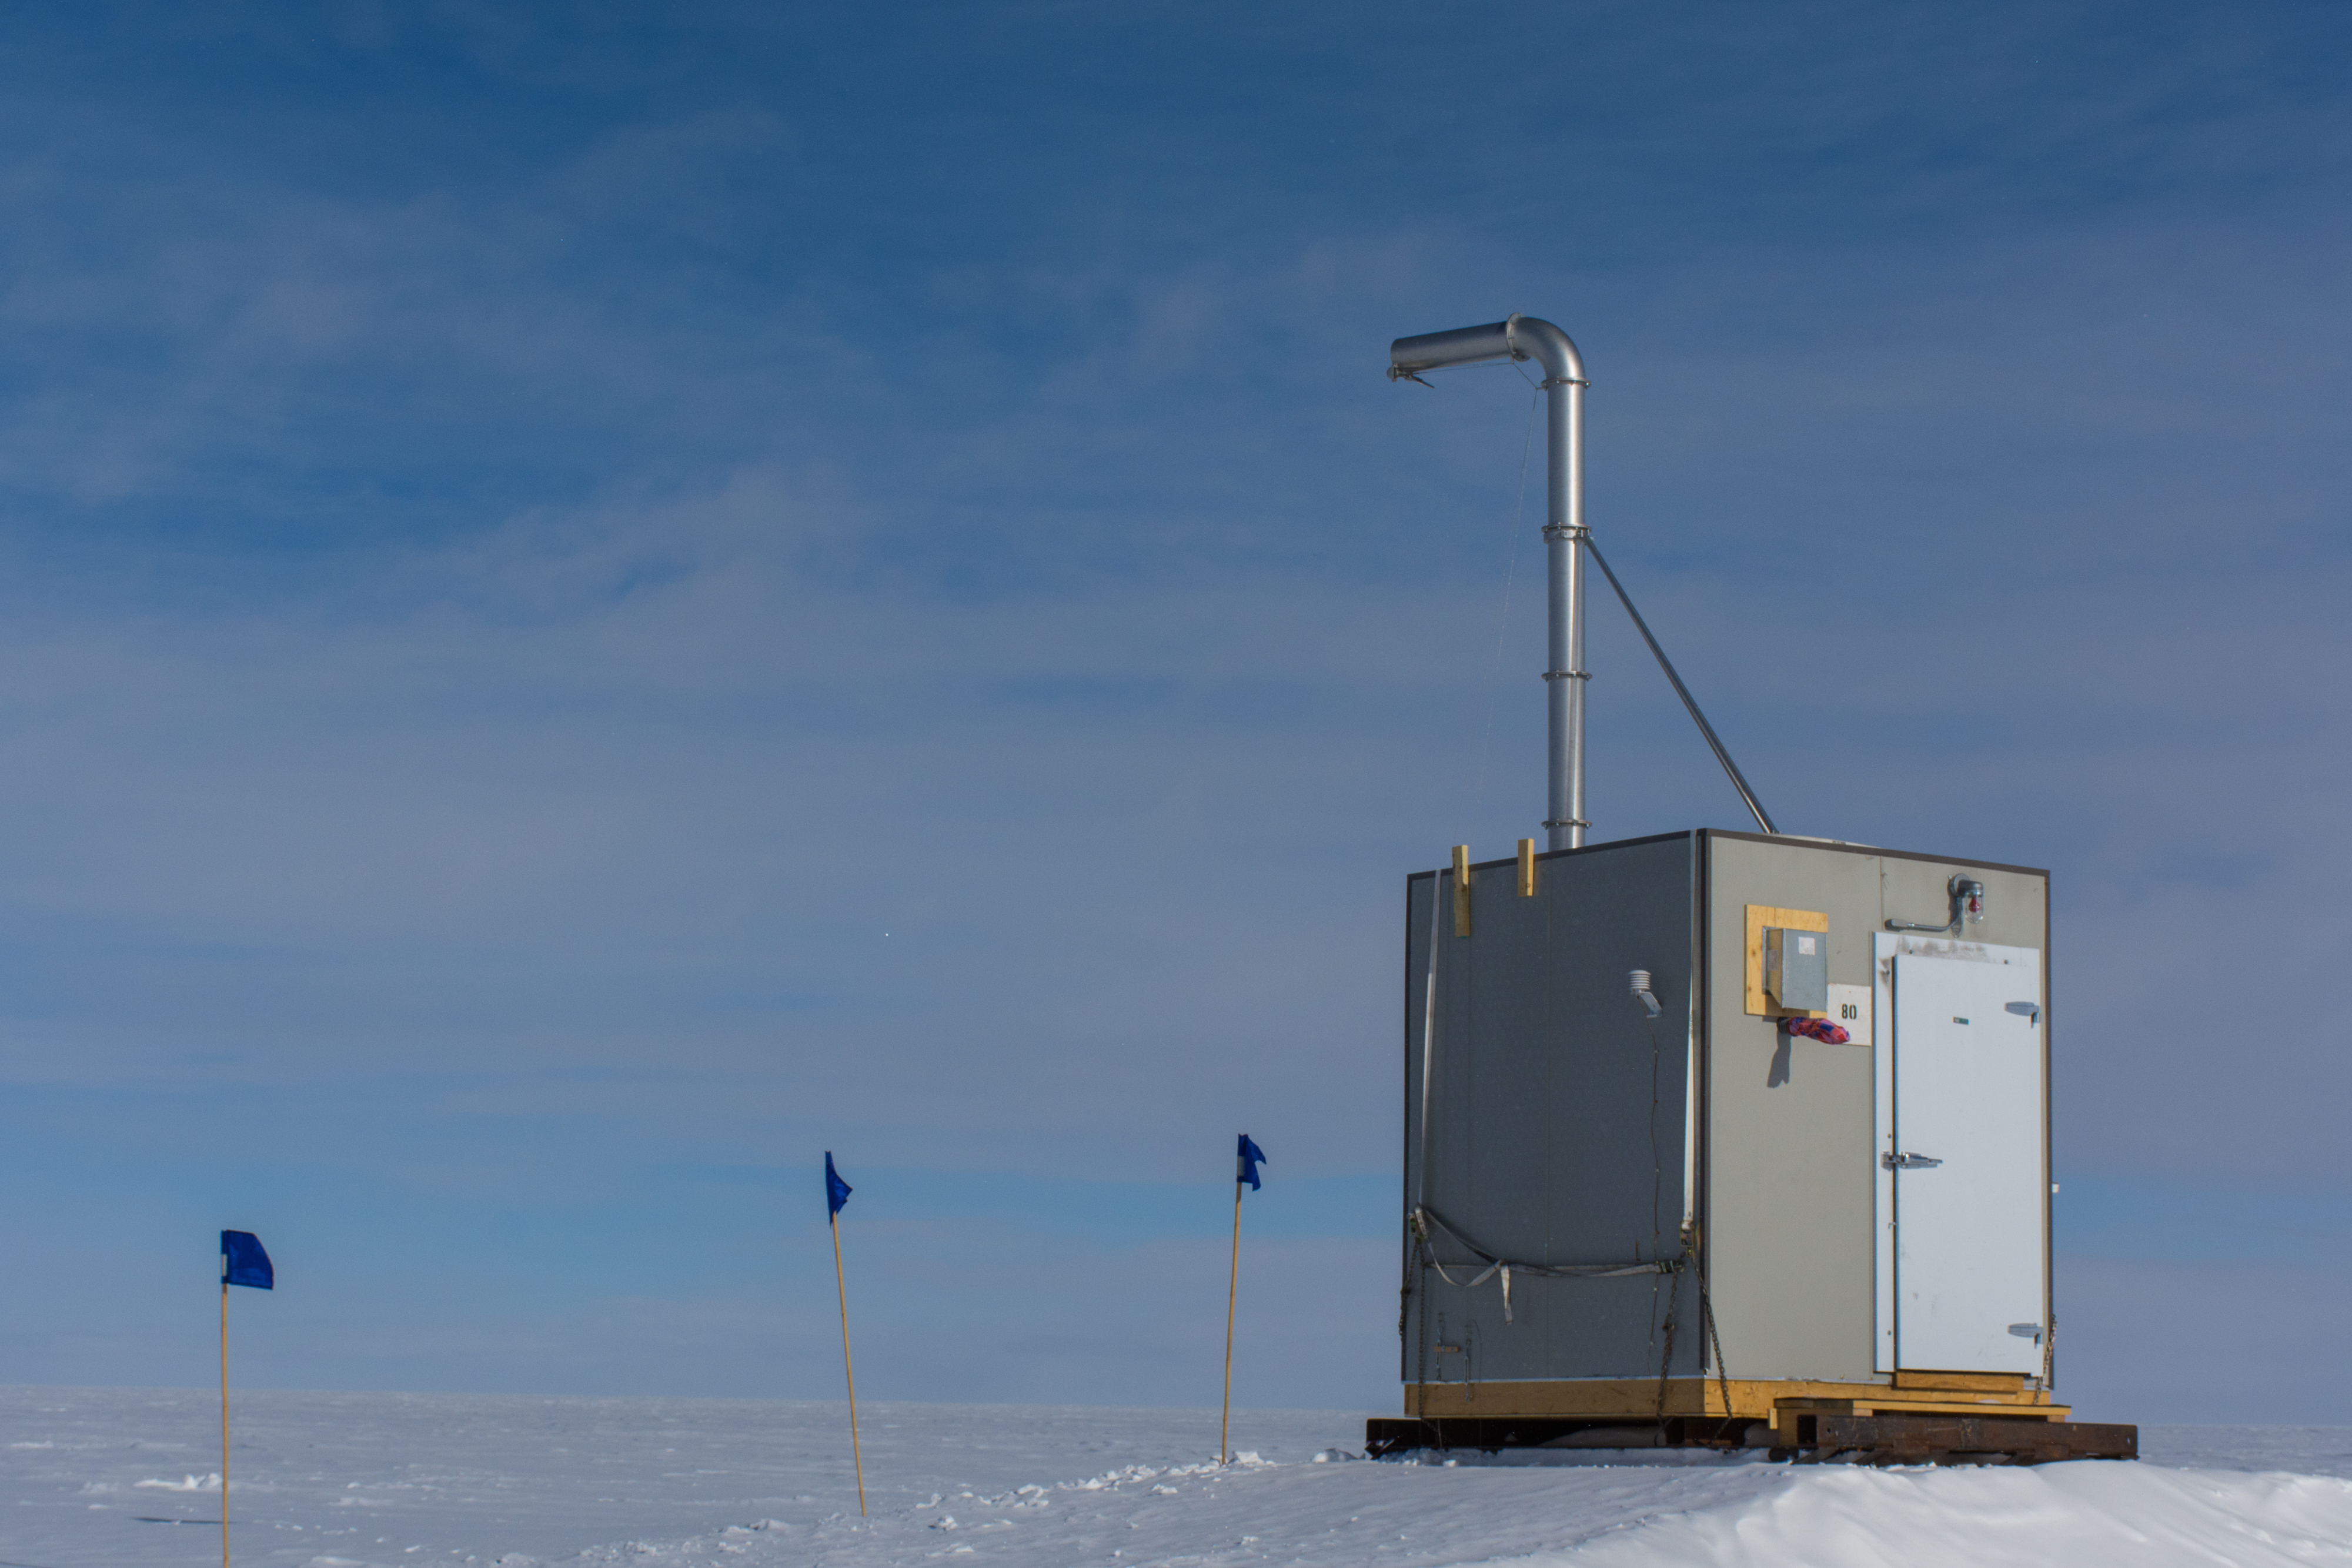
(1526, 337)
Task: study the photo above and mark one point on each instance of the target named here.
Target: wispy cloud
(579, 595)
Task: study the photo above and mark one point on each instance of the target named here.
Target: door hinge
(1907, 1162)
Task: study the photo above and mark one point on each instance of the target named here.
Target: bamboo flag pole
(1247, 1157)
(1233, 1293)
(841, 1284)
(837, 1193)
(244, 1261)
(223, 1338)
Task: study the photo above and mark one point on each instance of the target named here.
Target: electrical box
(1797, 969)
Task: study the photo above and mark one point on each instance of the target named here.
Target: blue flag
(1245, 1167)
(243, 1262)
(836, 1191)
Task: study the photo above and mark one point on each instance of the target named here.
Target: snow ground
(124, 1479)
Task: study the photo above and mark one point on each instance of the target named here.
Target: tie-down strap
(1425, 1220)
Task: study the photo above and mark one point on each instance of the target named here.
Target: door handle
(1907, 1162)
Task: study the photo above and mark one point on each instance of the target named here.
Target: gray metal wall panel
(1791, 1156)
(1555, 1133)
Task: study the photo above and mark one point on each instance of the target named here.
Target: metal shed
(1717, 1137)
(1677, 1209)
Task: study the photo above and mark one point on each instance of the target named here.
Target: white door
(1969, 1197)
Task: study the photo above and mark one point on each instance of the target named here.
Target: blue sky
(596, 602)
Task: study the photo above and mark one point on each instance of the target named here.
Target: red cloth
(1821, 1029)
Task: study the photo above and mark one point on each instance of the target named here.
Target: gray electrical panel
(1796, 969)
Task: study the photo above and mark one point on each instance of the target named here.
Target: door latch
(1907, 1162)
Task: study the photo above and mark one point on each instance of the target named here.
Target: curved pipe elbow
(1532, 338)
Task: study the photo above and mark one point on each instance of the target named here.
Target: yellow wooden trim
(1754, 1397)
(1963, 1406)
(1526, 868)
(1462, 890)
(1760, 916)
(1963, 1382)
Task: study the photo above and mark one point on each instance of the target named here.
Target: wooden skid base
(1946, 1439)
(1887, 1439)
(1386, 1434)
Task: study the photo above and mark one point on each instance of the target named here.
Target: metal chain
(1691, 1239)
(1666, 1356)
(1723, 1375)
(1420, 1361)
(1404, 1286)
